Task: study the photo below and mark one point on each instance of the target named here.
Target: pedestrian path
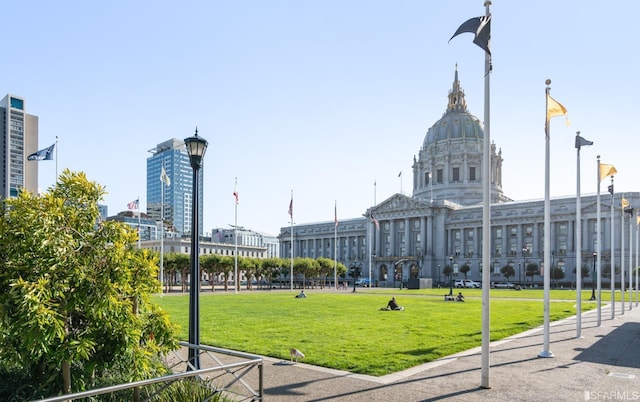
(604, 364)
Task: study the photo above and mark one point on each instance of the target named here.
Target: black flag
(580, 142)
(481, 27)
(610, 189)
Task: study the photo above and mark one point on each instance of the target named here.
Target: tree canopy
(74, 294)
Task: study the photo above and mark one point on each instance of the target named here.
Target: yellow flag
(637, 220)
(606, 170)
(625, 203)
(554, 108)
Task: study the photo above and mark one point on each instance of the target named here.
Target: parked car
(503, 285)
(467, 283)
(363, 282)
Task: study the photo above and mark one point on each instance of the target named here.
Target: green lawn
(347, 331)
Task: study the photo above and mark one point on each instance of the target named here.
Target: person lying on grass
(393, 305)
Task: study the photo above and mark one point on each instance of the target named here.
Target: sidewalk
(602, 365)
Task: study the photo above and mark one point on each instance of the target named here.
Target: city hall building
(440, 225)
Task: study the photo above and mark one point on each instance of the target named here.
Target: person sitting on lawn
(460, 297)
(393, 305)
(301, 295)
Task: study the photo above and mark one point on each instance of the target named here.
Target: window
(528, 230)
(562, 228)
(456, 235)
(472, 173)
(439, 175)
(456, 174)
(427, 177)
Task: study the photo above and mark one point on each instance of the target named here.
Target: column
(408, 244)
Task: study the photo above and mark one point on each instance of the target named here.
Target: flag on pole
(291, 207)
(638, 220)
(481, 28)
(43, 154)
(235, 192)
(581, 142)
(164, 177)
(133, 204)
(400, 174)
(554, 108)
(606, 170)
(625, 203)
(375, 222)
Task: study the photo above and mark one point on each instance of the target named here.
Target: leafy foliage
(75, 293)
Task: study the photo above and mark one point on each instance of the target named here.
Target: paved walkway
(602, 365)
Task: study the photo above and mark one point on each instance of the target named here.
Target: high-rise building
(174, 200)
(19, 132)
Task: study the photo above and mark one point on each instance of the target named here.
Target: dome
(457, 122)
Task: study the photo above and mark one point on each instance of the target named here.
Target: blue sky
(320, 97)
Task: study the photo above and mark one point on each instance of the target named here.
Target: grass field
(347, 331)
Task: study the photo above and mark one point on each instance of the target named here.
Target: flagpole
(637, 249)
(292, 249)
(370, 230)
(139, 229)
(335, 247)
(578, 243)
(486, 220)
(547, 228)
(161, 230)
(235, 236)
(598, 247)
(630, 256)
(612, 276)
(56, 159)
(622, 257)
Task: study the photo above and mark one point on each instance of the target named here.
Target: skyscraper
(173, 155)
(19, 132)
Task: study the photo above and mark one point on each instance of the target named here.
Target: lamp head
(196, 147)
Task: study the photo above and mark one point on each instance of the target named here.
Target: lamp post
(196, 147)
(519, 274)
(524, 258)
(450, 275)
(355, 272)
(593, 278)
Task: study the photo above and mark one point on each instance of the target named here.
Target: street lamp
(196, 147)
(354, 272)
(524, 258)
(593, 278)
(450, 275)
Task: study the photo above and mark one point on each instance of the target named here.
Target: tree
(507, 271)
(465, 268)
(531, 270)
(178, 263)
(557, 274)
(75, 293)
(325, 269)
(210, 264)
(448, 271)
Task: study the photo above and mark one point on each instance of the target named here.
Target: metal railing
(230, 378)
